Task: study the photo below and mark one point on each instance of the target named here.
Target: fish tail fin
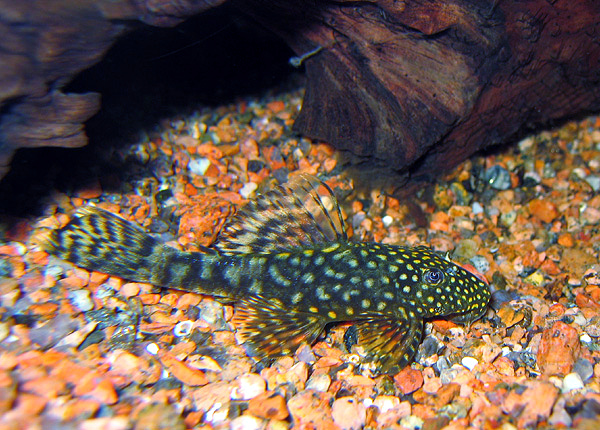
(98, 240)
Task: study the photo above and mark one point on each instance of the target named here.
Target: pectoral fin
(390, 343)
(268, 330)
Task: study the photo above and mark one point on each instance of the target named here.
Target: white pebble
(387, 221)
(585, 338)
(247, 422)
(81, 299)
(248, 386)
(183, 328)
(248, 189)
(469, 362)
(477, 208)
(152, 348)
(199, 166)
(572, 382)
(319, 383)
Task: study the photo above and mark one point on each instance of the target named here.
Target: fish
(286, 263)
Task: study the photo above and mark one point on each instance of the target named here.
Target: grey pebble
(81, 299)
(584, 369)
(498, 177)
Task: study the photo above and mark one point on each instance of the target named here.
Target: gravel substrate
(81, 350)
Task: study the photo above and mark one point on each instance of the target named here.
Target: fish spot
(364, 252)
(415, 278)
(331, 314)
(319, 260)
(313, 309)
(349, 311)
(354, 292)
(346, 296)
(337, 287)
(296, 298)
(308, 252)
(410, 266)
(430, 299)
(393, 268)
(406, 289)
(340, 275)
(381, 306)
(321, 294)
(372, 265)
(366, 303)
(388, 295)
(355, 279)
(331, 248)
(382, 257)
(295, 261)
(385, 279)
(330, 272)
(403, 276)
(353, 263)
(308, 277)
(370, 282)
(419, 294)
(282, 256)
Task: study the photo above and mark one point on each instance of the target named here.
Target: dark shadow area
(151, 74)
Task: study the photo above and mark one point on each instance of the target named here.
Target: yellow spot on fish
(331, 314)
(366, 303)
(331, 248)
(308, 252)
(353, 263)
(313, 309)
(282, 256)
(349, 311)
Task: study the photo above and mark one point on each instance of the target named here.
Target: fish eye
(434, 276)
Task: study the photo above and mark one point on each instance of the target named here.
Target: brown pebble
(559, 349)
(409, 380)
(544, 210)
(268, 405)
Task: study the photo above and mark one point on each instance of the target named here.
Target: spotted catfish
(286, 263)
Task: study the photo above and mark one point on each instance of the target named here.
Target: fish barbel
(286, 263)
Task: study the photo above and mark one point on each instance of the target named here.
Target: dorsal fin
(302, 213)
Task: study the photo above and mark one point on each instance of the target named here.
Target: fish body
(286, 263)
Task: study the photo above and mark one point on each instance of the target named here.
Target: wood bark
(428, 83)
(44, 44)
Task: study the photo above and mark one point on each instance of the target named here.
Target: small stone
(247, 422)
(319, 382)
(594, 182)
(498, 177)
(558, 350)
(387, 221)
(268, 405)
(571, 382)
(544, 210)
(81, 299)
(469, 362)
(158, 416)
(584, 369)
(408, 380)
(480, 263)
(198, 166)
(348, 413)
(248, 386)
(248, 189)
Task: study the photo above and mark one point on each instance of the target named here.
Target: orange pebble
(566, 240)
(186, 374)
(130, 289)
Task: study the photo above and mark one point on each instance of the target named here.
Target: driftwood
(44, 44)
(421, 83)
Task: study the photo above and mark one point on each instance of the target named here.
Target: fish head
(445, 288)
